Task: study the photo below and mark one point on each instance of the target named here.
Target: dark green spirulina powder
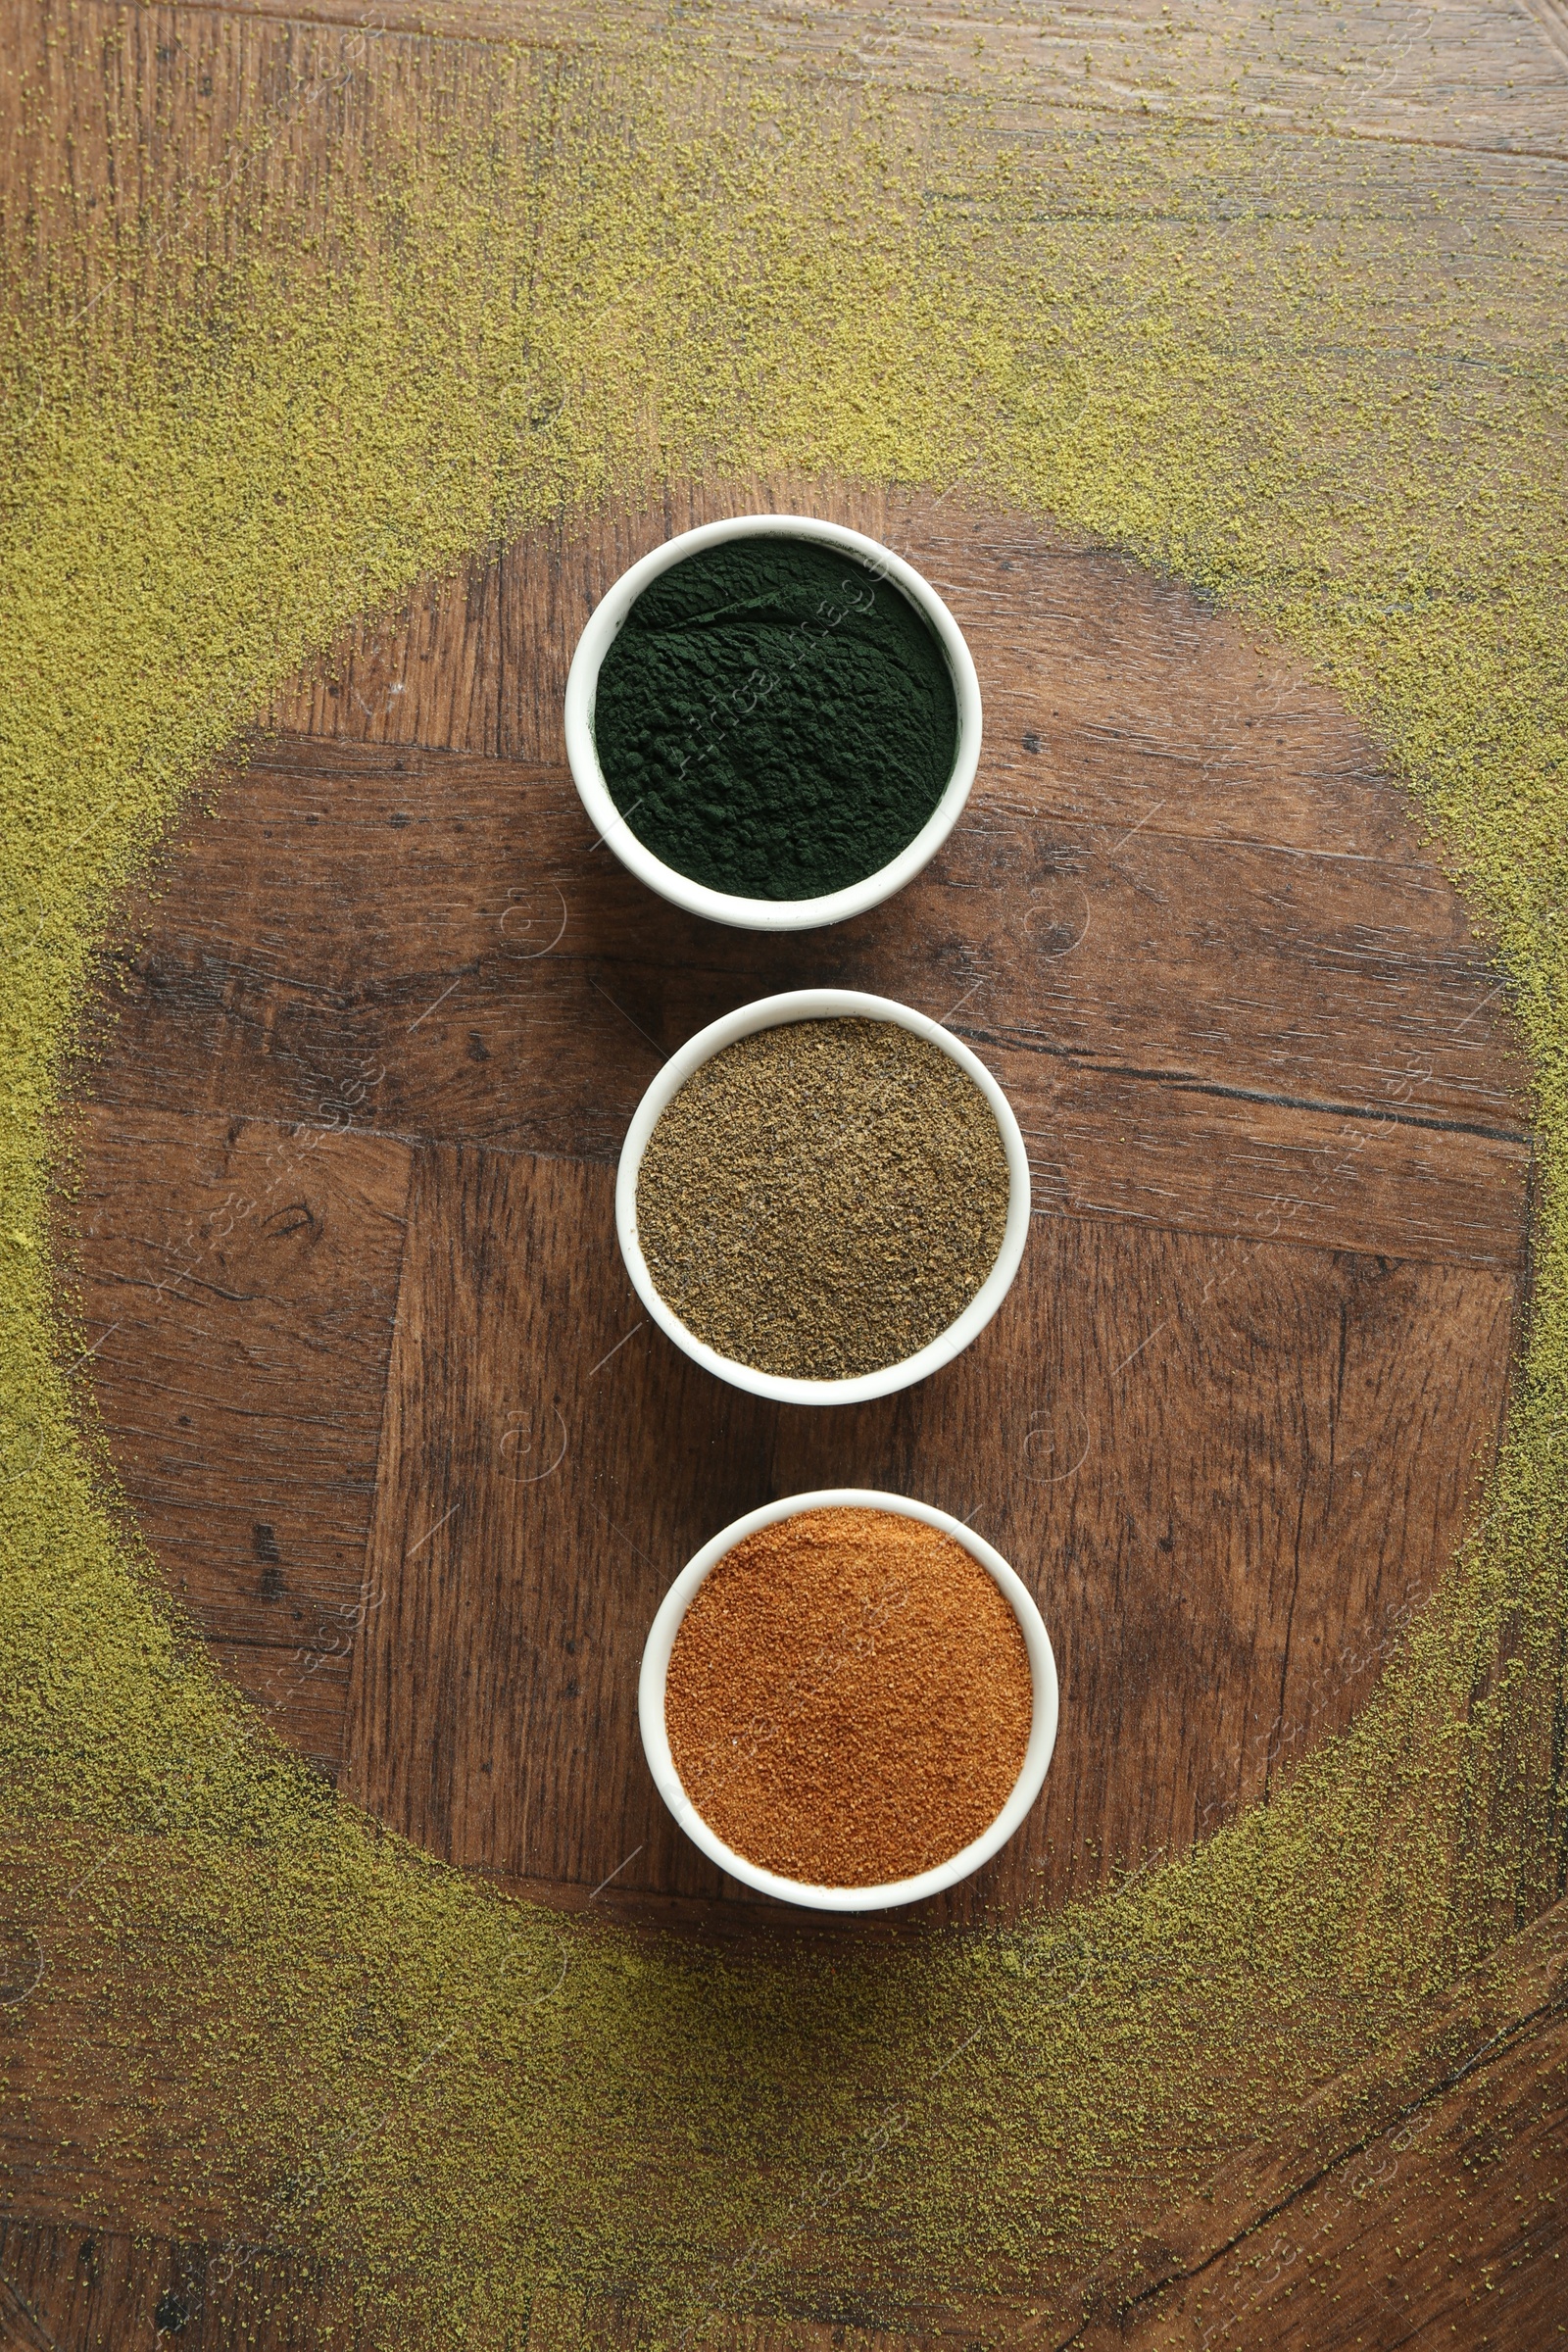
(823, 1199)
(775, 721)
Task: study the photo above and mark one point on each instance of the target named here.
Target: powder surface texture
(774, 721)
(823, 1199)
(849, 1698)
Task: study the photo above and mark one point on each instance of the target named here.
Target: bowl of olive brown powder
(848, 1701)
(823, 1197)
(774, 721)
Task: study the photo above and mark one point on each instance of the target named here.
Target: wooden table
(386, 1407)
(385, 1401)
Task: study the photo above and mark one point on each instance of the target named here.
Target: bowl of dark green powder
(774, 721)
(823, 1197)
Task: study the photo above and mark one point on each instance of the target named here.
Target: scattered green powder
(775, 721)
(823, 1199)
(253, 394)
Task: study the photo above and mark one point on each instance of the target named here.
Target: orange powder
(849, 1698)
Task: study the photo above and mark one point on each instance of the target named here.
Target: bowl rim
(651, 1691)
(725, 906)
(777, 1011)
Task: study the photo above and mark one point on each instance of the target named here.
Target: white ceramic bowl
(771, 1012)
(655, 1743)
(722, 906)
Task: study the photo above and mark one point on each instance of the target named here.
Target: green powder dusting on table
(823, 1199)
(1248, 357)
(774, 720)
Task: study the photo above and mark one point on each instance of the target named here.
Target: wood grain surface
(1420, 2202)
(1216, 1542)
(1277, 1124)
(243, 1281)
(104, 2291)
(378, 1037)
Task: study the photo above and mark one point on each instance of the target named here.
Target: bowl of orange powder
(848, 1701)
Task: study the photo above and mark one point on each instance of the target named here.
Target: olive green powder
(823, 1199)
